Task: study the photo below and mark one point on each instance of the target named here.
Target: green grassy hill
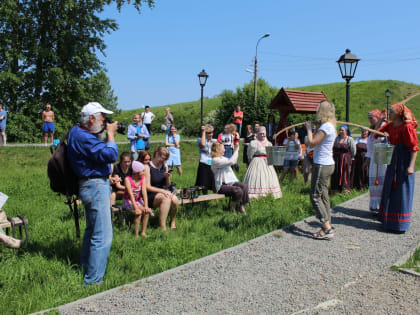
(367, 95)
(364, 96)
(182, 112)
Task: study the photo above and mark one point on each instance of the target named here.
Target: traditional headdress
(375, 113)
(262, 130)
(347, 129)
(405, 113)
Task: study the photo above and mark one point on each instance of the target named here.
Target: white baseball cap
(92, 108)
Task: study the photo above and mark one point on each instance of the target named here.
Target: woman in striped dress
(376, 171)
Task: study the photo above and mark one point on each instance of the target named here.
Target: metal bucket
(275, 155)
(382, 153)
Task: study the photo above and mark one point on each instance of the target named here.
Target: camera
(172, 188)
(191, 192)
(120, 126)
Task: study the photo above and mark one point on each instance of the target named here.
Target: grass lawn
(47, 273)
(412, 263)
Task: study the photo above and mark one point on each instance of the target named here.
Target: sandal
(324, 234)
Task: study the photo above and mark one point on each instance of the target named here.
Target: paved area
(284, 272)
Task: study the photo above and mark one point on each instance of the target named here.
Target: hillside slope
(364, 96)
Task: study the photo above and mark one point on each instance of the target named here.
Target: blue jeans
(95, 195)
(239, 129)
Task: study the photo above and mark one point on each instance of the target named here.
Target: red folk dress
(397, 195)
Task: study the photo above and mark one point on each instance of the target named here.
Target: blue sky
(154, 57)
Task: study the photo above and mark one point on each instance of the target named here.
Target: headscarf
(264, 131)
(347, 129)
(405, 113)
(375, 113)
(137, 166)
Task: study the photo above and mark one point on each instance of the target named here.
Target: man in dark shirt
(90, 159)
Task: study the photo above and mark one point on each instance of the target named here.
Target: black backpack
(62, 178)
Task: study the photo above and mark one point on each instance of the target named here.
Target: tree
(48, 55)
(245, 98)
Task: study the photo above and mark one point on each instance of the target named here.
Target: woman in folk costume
(344, 151)
(376, 171)
(360, 165)
(260, 177)
(397, 194)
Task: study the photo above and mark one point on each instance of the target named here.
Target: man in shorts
(48, 119)
(3, 119)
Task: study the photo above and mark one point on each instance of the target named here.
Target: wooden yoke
(340, 122)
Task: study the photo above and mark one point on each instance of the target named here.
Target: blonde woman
(158, 178)
(322, 142)
(225, 179)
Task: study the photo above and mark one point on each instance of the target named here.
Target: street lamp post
(202, 77)
(255, 68)
(347, 64)
(387, 94)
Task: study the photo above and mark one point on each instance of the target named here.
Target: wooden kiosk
(294, 101)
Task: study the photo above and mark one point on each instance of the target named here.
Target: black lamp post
(387, 94)
(202, 76)
(347, 64)
(255, 68)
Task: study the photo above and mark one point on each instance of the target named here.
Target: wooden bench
(201, 198)
(117, 210)
(19, 221)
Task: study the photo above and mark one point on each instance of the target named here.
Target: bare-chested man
(3, 119)
(48, 119)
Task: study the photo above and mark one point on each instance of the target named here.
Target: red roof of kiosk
(294, 101)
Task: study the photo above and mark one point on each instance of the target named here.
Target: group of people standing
(142, 180)
(391, 186)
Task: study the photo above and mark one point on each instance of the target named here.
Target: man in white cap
(90, 159)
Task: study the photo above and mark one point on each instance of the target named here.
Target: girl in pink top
(135, 198)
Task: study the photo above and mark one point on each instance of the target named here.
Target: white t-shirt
(147, 117)
(205, 153)
(323, 152)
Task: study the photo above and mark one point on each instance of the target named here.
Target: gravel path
(284, 272)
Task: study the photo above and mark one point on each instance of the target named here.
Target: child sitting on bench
(135, 198)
